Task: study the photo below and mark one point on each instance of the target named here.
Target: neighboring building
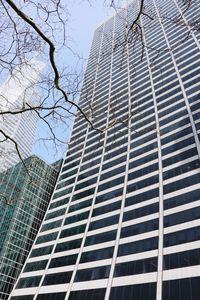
(18, 90)
(124, 220)
(24, 198)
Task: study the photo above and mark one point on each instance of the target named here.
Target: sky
(85, 16)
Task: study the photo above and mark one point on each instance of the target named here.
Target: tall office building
(123, 222)
(18, 90)
(24, 198)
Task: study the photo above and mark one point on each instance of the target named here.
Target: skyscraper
(24, 198)
(18, 90)
(123, 222)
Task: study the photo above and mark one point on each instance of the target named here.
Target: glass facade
(17, 90)
(24, 200)
(123, 222)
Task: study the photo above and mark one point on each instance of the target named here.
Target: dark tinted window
(54, 296)
(183, 168)
(41, 251)
(74, 244)
(96, 254)
(136, 267)
(182, 236)
(72, 231)
(59, 203)
(109, 195)
(106, 208)
(57, 278)
(181, 289)
(146, 291)
(150, 194)
(139, 228)
(142, 184)
(76, 218)
(55, 214)
(80, 205)
(104, 222)
(138, 246)
(182, 259)
(51, 225)
(140, 212)
(181, 217)
(92, 273)
(97, 294)
(34, 266)
(28, 282)
(63, 261)
(182, 199)
(181, 183)
(100, 238)
(46, 238)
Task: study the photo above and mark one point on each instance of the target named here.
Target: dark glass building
(124, 220)
(24, 198)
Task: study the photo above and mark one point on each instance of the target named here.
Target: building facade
(18, 90)
(124, 219)
(23, 202)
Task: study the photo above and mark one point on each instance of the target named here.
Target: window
(28, 282)
(140, 212)
(63, 261)
(51, 225)
(136, 267)
(177, 146)
(142, 197)
(110, 183)
(143, 160)
(104, 222)
(80, 205)
(34, 266)
(181, 217)
(57, 278)
(181, 156)
(182, 259)
(143, 150)
(76, 218)
(92, 274)
(54, 296)
(107, 208)
(182, 236)
(83, 194)
(109, 195)
(59, 203)
(46, 238)
(41, 251)
(139, 228)
(143, 171)
(87, 183)
(138, 246)
(55, 214)
(145, 291)
(170, 128)
(181, 289)
(142, 184)
(99, 254)
(182, 199)
(100, 238)
(112, 173)
(72, 231)
(94, 294)
(181, 183)
(114, 162)
(74, 244)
